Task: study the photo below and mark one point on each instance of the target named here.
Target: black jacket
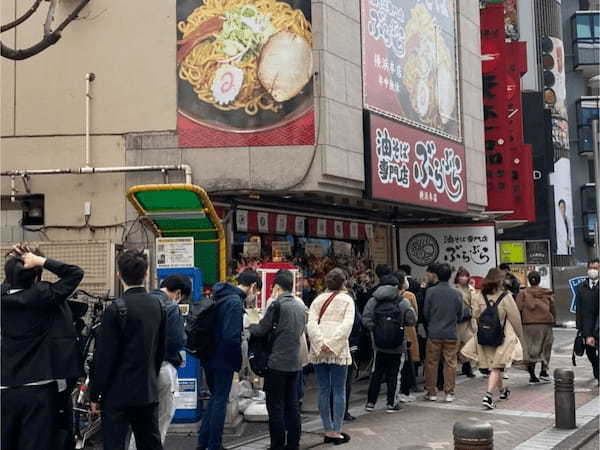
(415, 287)
(586, 309)
(127, 361)
(38, 339)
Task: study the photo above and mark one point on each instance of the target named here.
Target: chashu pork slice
(285, 65)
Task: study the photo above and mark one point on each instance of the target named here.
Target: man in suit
(129, 352)
(227, 355)
(38, 347)
(586, 301)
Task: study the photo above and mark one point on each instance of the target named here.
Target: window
(588, 110)
(586, 27)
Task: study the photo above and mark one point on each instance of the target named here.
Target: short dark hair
(405, 268)
(534, 278)
(335, 279)
(382, 269)
(248, 277)
(504, 266)
(176, 282)
(401, 275)
(562, 201)
(389, 280)
(133, 266)
(17, 276)
(444, 272)
(433, 268)
(285, 280)
(593, 261)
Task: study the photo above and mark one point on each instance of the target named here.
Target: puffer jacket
(536, 305)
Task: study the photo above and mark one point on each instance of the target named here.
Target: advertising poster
(410, 166)
(244, 73)
(573, 283)
(410, 64)
(186, 397)
(512, 252)
(174, 252)
(563, 207)
(472, 247)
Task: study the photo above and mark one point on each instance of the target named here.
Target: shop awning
(184, 210)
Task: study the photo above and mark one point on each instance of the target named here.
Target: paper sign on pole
(252, 249)
(174, 252)
(314, 249)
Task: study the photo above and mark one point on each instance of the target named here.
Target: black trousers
(143, 421)
(408, 375)
(592, 353)
(29, 417)
(387, 366)
(284, 412)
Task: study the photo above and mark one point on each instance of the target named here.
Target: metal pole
(564, 399)
(596, 147)
(473, 436)
(89, 77)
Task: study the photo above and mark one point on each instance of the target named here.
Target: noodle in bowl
(234, 53)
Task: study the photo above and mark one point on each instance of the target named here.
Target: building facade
(140, 115)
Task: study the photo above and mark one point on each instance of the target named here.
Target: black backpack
(259, 348)
(388, 333)
(200, 330)
(490, 331)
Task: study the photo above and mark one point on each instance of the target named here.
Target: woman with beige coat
(330, 321)
(496, 358)
(465, 329)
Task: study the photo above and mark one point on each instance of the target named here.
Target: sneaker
(449, 398)
(488, 402)
(430, 397)
(544, 377)
(349, 417)
(406, 398)
(393, 409)
(533, 380)
(505, 376)
(505, 394)
(370, 407)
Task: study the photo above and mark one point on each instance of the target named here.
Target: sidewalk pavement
(523, 422)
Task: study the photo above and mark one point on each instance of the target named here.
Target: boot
(468, 370)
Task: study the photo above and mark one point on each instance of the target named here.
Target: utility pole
(596, 146)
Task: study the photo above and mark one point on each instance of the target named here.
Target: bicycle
(85, 423)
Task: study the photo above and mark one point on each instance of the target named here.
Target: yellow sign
(512, 252)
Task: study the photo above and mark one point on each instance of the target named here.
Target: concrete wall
(130, 47)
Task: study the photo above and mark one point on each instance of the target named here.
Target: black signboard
(538, 252)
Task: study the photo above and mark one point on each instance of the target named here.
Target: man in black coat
(586, 303)
(38, 346)
(127, 360)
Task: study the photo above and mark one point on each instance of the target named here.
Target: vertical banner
(244, 73)
(410, 63)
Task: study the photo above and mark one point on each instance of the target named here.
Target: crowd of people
(409, 326)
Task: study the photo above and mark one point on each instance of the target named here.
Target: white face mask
(405, 286)
(593, 274)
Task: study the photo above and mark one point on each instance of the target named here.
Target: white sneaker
(449, 398)
(406, 398)
(431, 398)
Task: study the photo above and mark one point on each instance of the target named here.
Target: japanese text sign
(410, 166)
(469, 246)
(410, 67)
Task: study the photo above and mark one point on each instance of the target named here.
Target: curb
(581, 437)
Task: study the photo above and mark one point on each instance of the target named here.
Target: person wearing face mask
(227, 355)
(465, 327)
(586, 301)
(408, 373)
(173, 289)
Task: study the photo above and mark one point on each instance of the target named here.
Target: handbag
(260, 348)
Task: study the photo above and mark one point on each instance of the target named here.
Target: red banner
(410, 166)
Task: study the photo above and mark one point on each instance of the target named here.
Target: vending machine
(188, 408)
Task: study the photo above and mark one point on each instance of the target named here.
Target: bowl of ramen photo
(244, 65)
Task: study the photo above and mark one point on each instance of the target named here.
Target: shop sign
(341, 248)
(281, 249)
(269, 223)
(573, 284)
(174, 252)
(512, 252)
(314, 249)
(410, 63)
(538, 252)
(336, 229)
(410, 166)
(469, 246)
(252, 249)
(244, 73)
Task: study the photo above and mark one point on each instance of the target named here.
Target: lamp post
(596, 148)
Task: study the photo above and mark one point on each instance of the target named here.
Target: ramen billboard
(244, 73)
(410, 66)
